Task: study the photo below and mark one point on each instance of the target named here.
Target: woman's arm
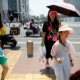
(43, 37)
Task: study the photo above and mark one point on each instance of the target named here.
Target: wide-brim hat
(65, 28)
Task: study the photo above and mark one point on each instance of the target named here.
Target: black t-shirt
(49, 31)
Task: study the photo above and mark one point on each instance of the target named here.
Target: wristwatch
(71, 60)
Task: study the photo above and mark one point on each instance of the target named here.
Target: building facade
(0, 6)
(24, 9)
(18, 8)
(1, 9)
(77, 5)
(67, 1)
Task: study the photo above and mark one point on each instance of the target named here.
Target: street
(26, 67)
(22, 39)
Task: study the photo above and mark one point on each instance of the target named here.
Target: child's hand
(72, 64)
(59, 60)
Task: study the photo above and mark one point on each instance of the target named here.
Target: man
(32, 26)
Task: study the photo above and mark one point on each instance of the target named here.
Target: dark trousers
(33, 29)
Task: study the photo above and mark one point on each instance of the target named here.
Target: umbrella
(64, 8)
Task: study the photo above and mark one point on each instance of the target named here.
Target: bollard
(30, 48)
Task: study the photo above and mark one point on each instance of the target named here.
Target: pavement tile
(12, 76)
(28, 79)
(21, 76)
(37, 76)
(45, 76)
(37, 79)
(45, 79)
(29, 76)
(7, 75)
(20, 79)
(24, 68)
(52, 76)
(52, 79)
(10, 79)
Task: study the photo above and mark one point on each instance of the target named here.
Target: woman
(49, 36)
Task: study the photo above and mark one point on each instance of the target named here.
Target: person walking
(61, 53)
(49, 36)
(3, 59)
(3, 63)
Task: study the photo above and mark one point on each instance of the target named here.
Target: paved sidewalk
(24, 68)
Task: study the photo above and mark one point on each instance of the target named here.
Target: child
(3, 62)
(61, 53)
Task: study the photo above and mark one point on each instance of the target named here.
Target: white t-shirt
(59, 49)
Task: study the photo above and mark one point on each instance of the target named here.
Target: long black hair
(1, 25)
(48, 17)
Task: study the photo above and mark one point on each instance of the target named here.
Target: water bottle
(41, 60)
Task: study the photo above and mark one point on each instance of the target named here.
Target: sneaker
(47, 66)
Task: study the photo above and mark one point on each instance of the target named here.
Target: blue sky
(38, 7)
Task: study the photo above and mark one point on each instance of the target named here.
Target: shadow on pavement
(48, 71)
(32, 36)
(15, 48)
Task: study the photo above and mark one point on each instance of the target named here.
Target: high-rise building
(18, 8)
(67, 1)
(77, 5)
(9, 7)
(24, 9)
(1, 7)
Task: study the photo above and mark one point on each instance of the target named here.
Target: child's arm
(70, 56)
(70, 50)
(58, 59)
(72, 64)
(54, 53)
